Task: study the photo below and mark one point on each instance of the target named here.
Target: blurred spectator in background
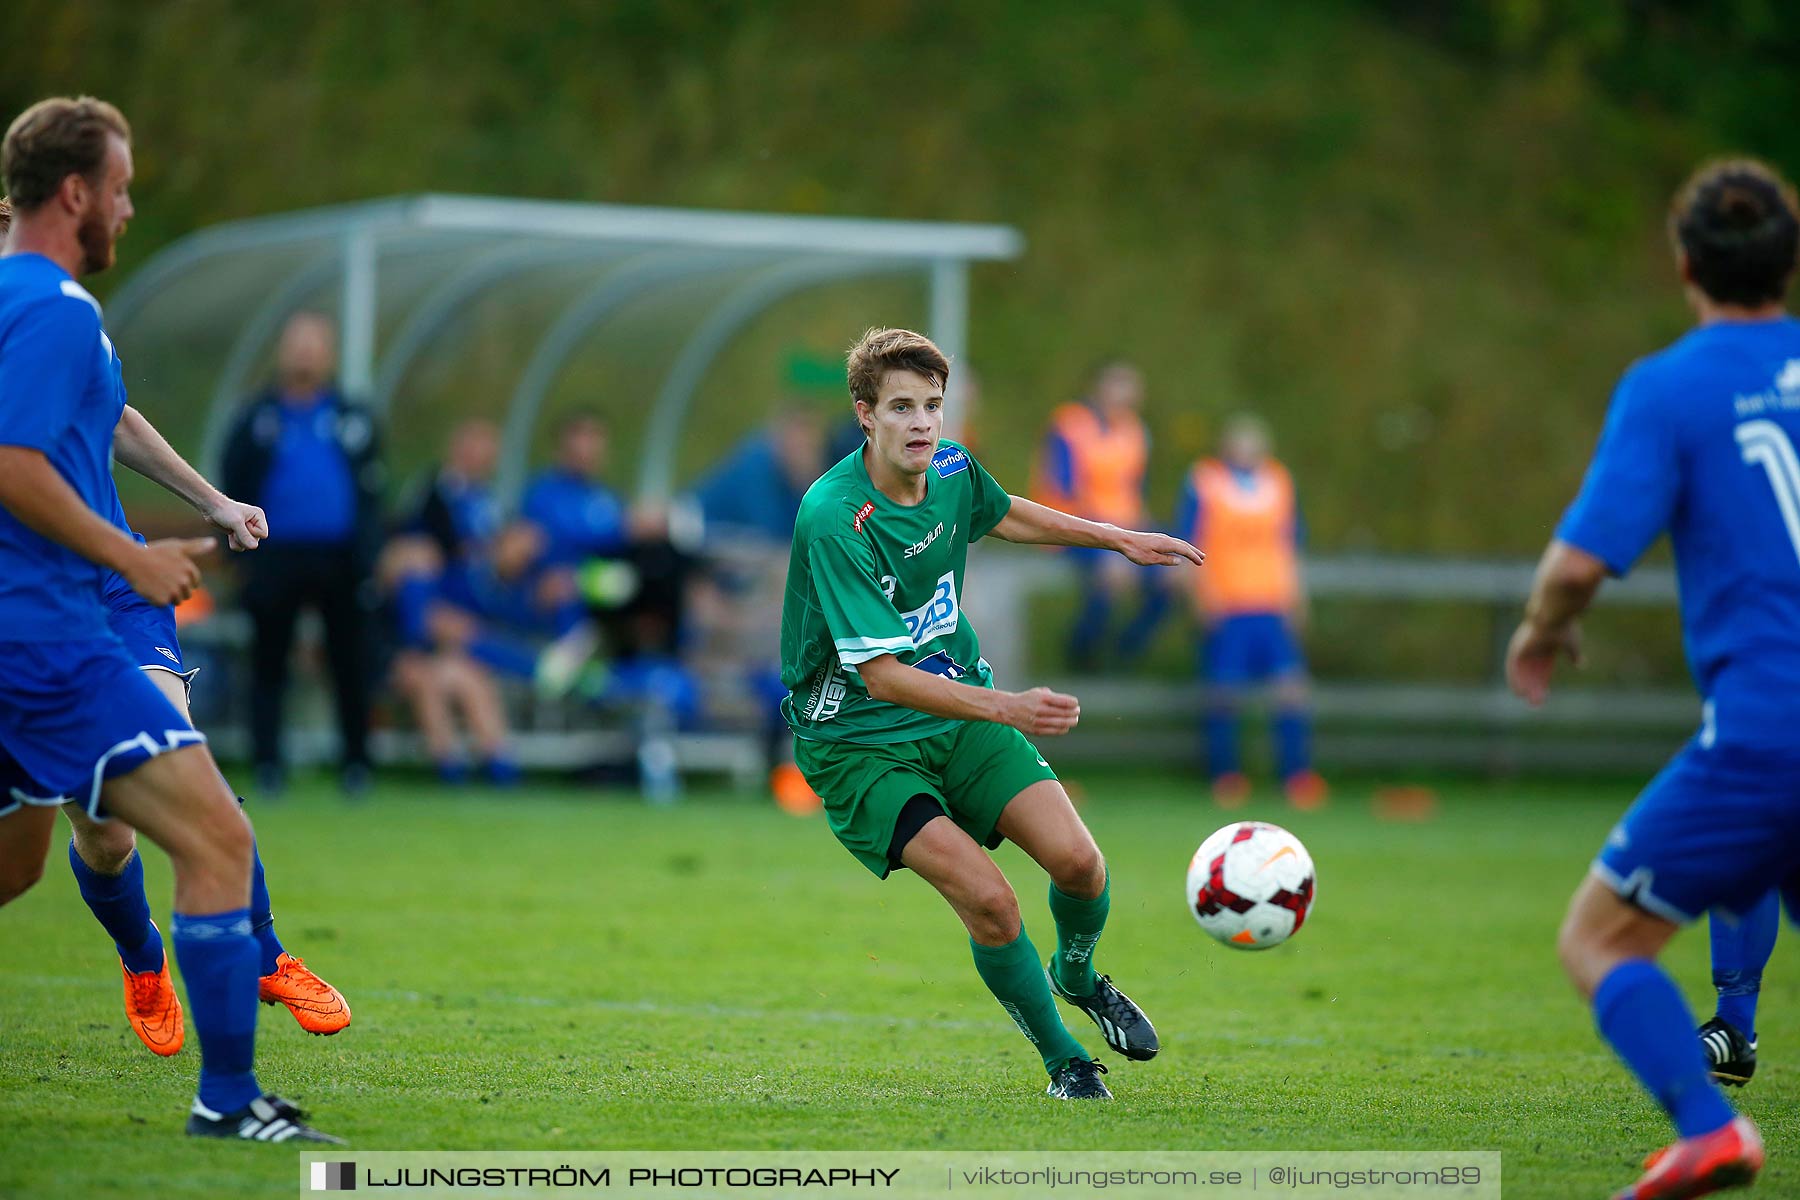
(434, 670)
(458, 510)
(1240, 509)
(1093, 464)
(581, 517)
(755, 491)
(311, 459)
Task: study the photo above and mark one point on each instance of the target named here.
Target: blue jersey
(580, 518)
(1700, 441)
(60, 393)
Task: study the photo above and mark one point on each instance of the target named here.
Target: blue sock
(1293, 741)
(502, 771)
(1740, 951)
(1136, 638)
(262, 921)
(217, 954)
(1640, 1011)
(1221, 741)
(118, 903)
(1090, 623)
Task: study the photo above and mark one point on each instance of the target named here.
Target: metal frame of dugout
(631, 254)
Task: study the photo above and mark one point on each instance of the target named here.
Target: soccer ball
(1251, 885)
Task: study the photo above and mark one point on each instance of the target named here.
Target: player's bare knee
(105, 846)
(1080, 870)
(992, 913)
(1588, 951)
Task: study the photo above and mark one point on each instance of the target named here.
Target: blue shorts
(75, 714)
(1715, 829)
(1250, 648)
(149, 635)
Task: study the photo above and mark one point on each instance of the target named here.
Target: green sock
(1012, 972)
(1078, 926)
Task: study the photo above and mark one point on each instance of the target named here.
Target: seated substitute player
(919, 759)
(78, 718)
(1699, 440)
(103, 855)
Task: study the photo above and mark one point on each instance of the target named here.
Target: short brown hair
(54, 139)
(1737, 222)
(879, 351)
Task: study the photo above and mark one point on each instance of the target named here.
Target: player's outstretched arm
(36, 493)
(138, 445)
(1039, 525)
(1039, 712)
(1567, 579)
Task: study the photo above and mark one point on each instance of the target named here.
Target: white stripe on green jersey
(868, 577)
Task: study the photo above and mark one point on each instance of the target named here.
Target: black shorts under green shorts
(972, 770)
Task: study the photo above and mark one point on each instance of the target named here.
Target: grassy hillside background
(1423, 239)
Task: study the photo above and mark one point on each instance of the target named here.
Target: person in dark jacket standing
(311, 459)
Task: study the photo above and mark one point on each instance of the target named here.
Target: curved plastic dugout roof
(221, 294)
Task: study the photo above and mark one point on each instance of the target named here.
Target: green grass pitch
(551, 969)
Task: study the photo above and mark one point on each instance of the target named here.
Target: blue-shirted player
(1700, 440)
(78, 718)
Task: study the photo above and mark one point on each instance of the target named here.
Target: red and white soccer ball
(1251, 885)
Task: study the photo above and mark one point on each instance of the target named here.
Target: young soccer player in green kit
(921, 762)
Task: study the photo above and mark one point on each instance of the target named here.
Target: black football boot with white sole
(1078, 1079)
(1122, 1023)
(265, 1119)
(1730, 1055)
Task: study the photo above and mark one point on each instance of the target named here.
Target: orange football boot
(153, 1008)
(1699, 1166)
(1306, 790)
(318, 1006)
(1231, 790)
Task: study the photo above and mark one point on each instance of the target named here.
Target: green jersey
(868, 577)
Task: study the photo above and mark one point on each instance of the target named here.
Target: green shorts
(972, 771)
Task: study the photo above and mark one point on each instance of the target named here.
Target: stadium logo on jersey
(937, 616)
(168, 654)
(863, 514)
(950, 460)
(920, 547)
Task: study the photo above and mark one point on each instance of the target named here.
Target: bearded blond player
(921, 761)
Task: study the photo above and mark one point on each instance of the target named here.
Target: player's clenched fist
(165, 572)
(1043, 713)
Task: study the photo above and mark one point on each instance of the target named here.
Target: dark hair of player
(1739, 226)
(54, 139)
(879, 351)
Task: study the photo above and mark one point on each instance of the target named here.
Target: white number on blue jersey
(1765, 443)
